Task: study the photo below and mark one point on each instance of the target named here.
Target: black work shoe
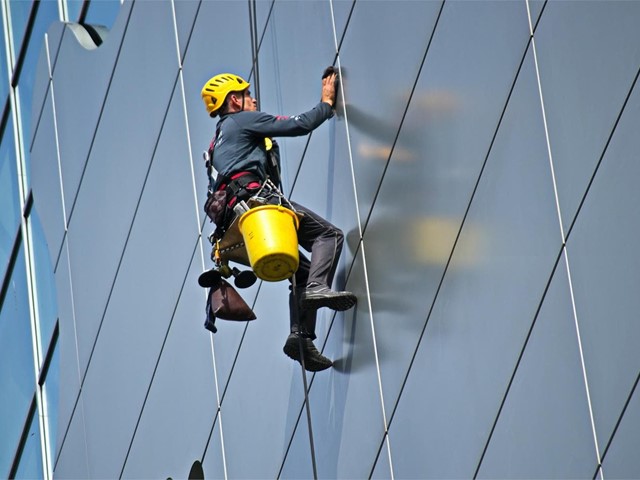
(314, 361)
(319, 296)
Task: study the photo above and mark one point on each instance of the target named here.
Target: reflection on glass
(45, 281)
(10, 211)
(19, 16)
(103, 12)
(30, 465)
(51, 398)
(47, 14)
(16, 363)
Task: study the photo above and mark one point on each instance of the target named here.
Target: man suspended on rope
(244, 155)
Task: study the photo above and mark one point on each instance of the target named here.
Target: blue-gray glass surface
(382, 468)
(124, 148)
(588, 54)
(186, 11)
(47, 13)
(278, 380)
(74, 7)
(72, 460)
(372, 86)
(46, 182)
(345, 401)
(621, 459)
(81, 80)
(19, 15)
(140, 300)
(103, 12)
(45, 281)
(69, 371)
(182, 399)
(324, 184)
(446, 135)
(534, 424)
(488, 298)
(30, 465)
(51, 390)
(17, 381)
(605, 268)
(213, 463)
(10, 211)
(295, 53)
(4, 74)
(298, 464)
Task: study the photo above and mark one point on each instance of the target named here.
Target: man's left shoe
(314, 361)
(318, 296)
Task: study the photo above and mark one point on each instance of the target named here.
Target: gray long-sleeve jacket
(239, 145)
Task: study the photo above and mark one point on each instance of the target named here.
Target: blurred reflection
(414, 218)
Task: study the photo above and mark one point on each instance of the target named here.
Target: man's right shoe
(314, 361)
(318, 296)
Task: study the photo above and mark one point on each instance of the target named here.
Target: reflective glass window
(45, 281)
(47, 14)
(30, 465)
(10, 211)
(17, 378)
(19, 15)
(73, 9)
(4, 78)
(52, 397)
(103, 12)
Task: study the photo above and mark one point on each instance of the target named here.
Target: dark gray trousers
(324, 241)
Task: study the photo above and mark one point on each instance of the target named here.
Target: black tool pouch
(215, 206)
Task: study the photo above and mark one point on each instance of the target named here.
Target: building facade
(482, 164)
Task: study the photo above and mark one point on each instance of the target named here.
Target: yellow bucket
(270, 236)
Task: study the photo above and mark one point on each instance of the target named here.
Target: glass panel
(81, 78)
(30, 466)
(122, 152)
(139, 317)
(261, 366)
(622, 460)
(382, 468)
(213, 462)
(177, 405)
(10, 211)
(4, 74)
(376, 90)
(51, 391)
(352, 411)
(72, 461)
(46, 183)
(489, 296)
(298, 464)
(45, 281)
(73, 9)
(103, 12)
(17, 379)
(539, 435)
(604, 257)
(47, 13)
(282, 66)
(447, 132)
(588, 54)
(19, 11)
(185, 17)
(68, 354)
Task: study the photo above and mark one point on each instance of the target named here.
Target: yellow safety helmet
(215, 91)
